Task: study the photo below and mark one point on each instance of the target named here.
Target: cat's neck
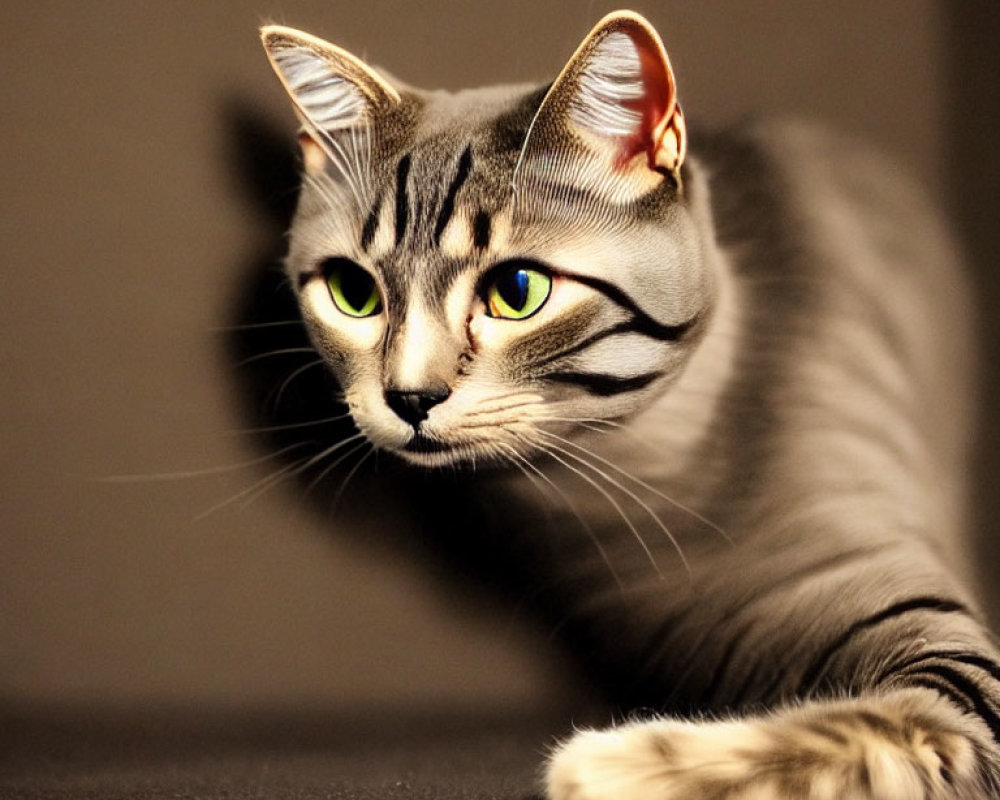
(660, 443)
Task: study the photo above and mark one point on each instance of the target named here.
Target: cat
(709, 390)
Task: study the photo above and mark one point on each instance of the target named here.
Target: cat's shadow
(286, 399)
(448, 524)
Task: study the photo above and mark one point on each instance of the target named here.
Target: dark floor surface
(274, 755)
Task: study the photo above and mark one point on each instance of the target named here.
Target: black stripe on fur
(814, 673)
(402, 208)
(604, 385)
(448, 206)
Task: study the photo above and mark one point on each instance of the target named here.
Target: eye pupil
(353, 289)
(356, 286)
(513, 288)
(517, 290)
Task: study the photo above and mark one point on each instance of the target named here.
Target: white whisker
(524, 465)
(329, 467)
(479, 412)
(255, 326)
(628, 492)
(360, 169)
(584, 421)
(352, 473)
(503, 402)
(652, 489)
(549, 450)
(303, 466)
(262, 484)
(292, 425)
(198, 473)
(295, 373)
(327, 190)
(266, 483)
(340, 158)
(287, 351)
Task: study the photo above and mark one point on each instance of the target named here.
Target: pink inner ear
(313, 157)
(655, 107)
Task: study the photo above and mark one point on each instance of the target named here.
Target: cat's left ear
(614, 106)
(332, 90)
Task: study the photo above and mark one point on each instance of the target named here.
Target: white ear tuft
(611, 119)
(337, 97)
(332, 89)
(610, 89)
(327, 100)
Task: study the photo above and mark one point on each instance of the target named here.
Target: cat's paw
(908, 748)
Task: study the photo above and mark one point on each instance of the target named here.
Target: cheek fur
(344, 333)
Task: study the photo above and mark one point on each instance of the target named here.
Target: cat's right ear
(332, 90)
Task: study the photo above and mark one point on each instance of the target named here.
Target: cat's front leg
(909, 745)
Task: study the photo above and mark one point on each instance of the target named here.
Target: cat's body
(729, 389)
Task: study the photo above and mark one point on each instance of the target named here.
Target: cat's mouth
(420, 443)
(425, 451)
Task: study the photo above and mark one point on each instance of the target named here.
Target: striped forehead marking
(402, 201)
(448, 205)
(371, 224)
(408, 208)
(481, 229)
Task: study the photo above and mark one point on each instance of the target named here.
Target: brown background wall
(123, 235)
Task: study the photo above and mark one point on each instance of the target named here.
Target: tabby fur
(731, 440)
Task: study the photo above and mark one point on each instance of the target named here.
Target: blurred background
(125, 233)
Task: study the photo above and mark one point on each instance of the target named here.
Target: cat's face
(485, 269)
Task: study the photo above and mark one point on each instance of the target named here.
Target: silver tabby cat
(729, 383)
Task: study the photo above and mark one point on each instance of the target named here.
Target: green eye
(353, 290)
(518, 292)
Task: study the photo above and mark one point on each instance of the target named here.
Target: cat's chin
(445, 458)
(433, 454)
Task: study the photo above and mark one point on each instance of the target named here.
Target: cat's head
(485, 268)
